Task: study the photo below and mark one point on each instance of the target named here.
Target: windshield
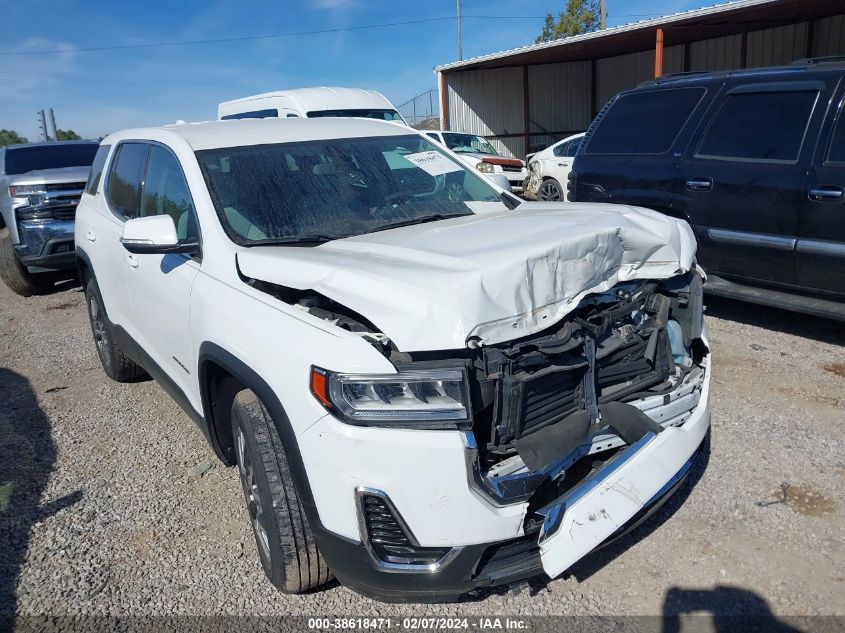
(315, 191)
(468, 144)
(365, 113)
(20, 160)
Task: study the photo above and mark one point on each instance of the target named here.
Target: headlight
(19, 191)
(485, 168)
(434, 397)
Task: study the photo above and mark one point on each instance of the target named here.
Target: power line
(246, 38)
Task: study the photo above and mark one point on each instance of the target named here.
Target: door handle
(827, 193)
(92, 237)
(700, 184)
(132, 261)
(563, 164)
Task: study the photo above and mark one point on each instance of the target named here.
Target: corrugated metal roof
(632, 26)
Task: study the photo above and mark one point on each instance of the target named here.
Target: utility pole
(460, 45)
(42, 124)
(603, 14)
(53, 125)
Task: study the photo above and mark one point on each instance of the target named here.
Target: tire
(117, 365)
(285, 543)
(550, 191)
(15, 275)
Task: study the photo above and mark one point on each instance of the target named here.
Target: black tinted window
(644, 122)
(97, 169)
(124, 184)
(255, 114)
(166, 192)
(23, 159)
(836, 153)
(759, 126)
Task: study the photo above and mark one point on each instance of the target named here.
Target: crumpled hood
(496, 276)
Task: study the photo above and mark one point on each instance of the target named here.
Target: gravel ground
(105, 510)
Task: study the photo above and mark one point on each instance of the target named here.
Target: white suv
(425, 389)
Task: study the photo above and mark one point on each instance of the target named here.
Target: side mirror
(155, 235)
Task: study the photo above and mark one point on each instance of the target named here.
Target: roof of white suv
(241, 132)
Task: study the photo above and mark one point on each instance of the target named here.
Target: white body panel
(298, 102)
(553, 162)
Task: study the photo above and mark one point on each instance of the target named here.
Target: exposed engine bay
(607, 372)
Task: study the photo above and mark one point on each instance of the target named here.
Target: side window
(96, 173)
(836, 151)
(765, 126)
(433, 135)
(123, 188)
(166, 192)
(561, 149)
(573, 147)
(644, 122)
(255, 114)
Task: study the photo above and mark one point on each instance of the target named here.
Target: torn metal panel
(486, 278)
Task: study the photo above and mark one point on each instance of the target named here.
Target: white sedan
(548, 170)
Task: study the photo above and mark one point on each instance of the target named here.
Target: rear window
(20, 160)
(764, 126)
(644, 122)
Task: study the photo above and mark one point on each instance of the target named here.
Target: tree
(67, 135)
(10, 137)
(581, 16)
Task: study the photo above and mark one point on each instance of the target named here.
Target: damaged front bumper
(46, 244)
(577, 434)
(607, 504)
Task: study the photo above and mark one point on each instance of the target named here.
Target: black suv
(753, 159)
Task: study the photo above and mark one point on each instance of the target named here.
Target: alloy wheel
(256, 511)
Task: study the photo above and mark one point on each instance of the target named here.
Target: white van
(312, 103)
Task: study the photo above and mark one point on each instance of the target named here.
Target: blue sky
(99, 92)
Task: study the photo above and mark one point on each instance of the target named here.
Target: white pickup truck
(427, 386)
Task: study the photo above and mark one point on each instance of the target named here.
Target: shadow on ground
(27, 457)
(732, 609)
(795, 323)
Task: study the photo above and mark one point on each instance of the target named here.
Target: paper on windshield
(433, 163)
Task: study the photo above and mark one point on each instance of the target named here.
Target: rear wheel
(117, 365)
(15, 275)
(286, 545)
(550, 191)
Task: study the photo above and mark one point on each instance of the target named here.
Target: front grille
(612, 360)
(64, 213)
(549, 397)
(389, 540)
(511, 168)
(66, 186)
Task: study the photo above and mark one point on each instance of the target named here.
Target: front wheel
(550, 191)
(286, 545)
(15, 275)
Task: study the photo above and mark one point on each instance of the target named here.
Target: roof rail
(818, 60)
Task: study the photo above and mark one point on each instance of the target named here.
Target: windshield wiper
(299, 239)
(428, 218)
